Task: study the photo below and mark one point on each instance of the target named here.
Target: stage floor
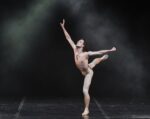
(71, 108)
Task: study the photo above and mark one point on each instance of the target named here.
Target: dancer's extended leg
(98, 60)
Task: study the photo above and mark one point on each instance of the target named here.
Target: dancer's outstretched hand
(62, 23)
(113, 49)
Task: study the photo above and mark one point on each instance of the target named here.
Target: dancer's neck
(79, 49)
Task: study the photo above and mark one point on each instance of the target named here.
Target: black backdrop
(47, 67)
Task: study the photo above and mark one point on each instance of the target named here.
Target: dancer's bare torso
(81, 61)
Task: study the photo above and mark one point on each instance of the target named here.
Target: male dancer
(81, 60)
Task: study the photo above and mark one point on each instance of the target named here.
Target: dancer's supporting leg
(87, 82)
(86, 85)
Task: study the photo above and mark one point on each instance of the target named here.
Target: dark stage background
(36, 60)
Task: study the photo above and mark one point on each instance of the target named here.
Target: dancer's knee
(85, 92)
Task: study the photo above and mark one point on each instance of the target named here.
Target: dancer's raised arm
(67, 35)
(101, 52)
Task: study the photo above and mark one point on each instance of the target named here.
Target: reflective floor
(71, 108)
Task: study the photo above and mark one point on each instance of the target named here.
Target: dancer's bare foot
(85, 113)
(105, 57)
(113, 49)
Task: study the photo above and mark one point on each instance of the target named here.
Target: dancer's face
(80, 43)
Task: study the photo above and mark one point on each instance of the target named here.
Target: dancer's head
(80, 43)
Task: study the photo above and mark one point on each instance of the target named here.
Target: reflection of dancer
(81, 61)
(85, 117)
